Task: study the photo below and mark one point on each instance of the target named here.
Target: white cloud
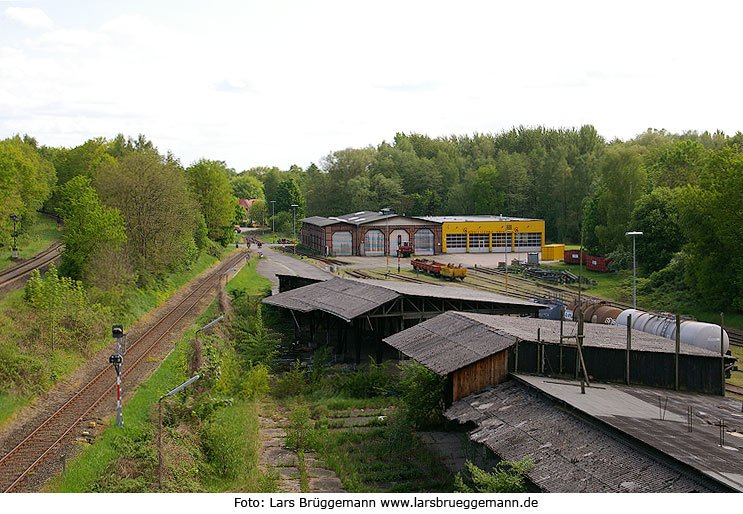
(31, 17)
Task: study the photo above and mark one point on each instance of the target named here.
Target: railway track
(736, 336)
(19, 462)
(12, 275)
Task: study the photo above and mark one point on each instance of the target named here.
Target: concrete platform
(658, 419)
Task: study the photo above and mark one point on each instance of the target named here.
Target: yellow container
(553, 252)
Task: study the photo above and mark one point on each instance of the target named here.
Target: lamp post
(15, 219)
(273, 219)
(160, 429)
(294, 209)
(634, 268)
(386, 211)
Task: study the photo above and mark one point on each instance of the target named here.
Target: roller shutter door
(423, 242)
(374, 243)
(342, 243)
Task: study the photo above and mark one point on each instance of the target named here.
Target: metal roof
(343, 298)
(461, 219)
(569, 454)
(319, 221)
(448, 292)
(596, 335)
(449, 342)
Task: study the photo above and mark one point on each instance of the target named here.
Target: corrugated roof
(343, 298)
(448, 292)
(569, 454)
(597, 335)
(449, 342)
(461, 219)
(319, 221)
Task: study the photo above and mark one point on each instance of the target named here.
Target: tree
(25, 183)
(258, 211)
(486, 191)
(88, 226)
(656, 216)
(246, 186)
(159, 213)
(209, 183)
(271, 183)
(288, 193)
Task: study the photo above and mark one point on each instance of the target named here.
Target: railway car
(439, 269)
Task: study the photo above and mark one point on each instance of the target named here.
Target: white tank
(695, 333)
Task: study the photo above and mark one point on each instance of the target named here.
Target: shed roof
(596, 335)
(449, 342)
(569, 454)
(474, 218)
(343, 298)
(448, 292)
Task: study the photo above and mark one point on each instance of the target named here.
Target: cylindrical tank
(606, 315)
(695, 333)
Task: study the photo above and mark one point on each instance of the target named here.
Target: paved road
(276, 262)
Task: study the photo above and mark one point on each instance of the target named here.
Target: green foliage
(288, 194)
(246, 186)
(160, 215)
(486, 191)
(229, 453)
(26, 180)
(506, 477)
(299, 433)
(422, 393)
(209, 182)
(656, 216)
(89, 226)
(365, 383)
(258, 211)
(291, 383)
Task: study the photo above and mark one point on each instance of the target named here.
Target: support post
(540, 352)
(722, 353)
(678, 351)
(160, 444)
(516, 360)
(580, 348)
(629, 347)
(562, 319)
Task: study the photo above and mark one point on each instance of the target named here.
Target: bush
(365, 383)
(292, 383)
(255, 384)
(506, 477)
(226, 445)
(299, 434)
(422, 393)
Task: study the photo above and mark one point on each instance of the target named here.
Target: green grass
(248, 280)
(268, 238)
(39, 236)
(9, 404)
(609, 284)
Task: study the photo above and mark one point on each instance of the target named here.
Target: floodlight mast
(634, 268)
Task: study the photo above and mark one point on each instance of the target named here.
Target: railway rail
(10, 276)
(19, 462)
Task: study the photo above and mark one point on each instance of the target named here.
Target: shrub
(365, 383)
(506, 477)
(226, 446)
(292, 383)
(255, 384)
(422, 393)
(299, 434)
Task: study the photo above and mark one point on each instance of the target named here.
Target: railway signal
(117, 360)
(15, 219)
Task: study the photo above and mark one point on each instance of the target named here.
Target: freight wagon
(439, 269)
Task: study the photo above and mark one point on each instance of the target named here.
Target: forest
(131, 213)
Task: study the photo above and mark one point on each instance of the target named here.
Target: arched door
(398, 238)
(423, 242)
(342, 243)
(374, 243)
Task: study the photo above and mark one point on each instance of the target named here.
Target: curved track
(26, 456)
(19, 271)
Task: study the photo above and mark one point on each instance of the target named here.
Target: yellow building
(477, 234)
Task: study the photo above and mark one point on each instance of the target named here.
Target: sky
(277, 83)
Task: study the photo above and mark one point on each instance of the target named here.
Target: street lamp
(294, 209)
(15, 219)
(386, 211)
(634, 267)
(273, 219)
(160, 429)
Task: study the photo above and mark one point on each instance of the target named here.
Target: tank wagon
(695, 333)
(439, 269)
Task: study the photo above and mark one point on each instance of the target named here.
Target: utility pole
(273, 219)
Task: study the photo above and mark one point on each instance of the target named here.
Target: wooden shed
(470, 354)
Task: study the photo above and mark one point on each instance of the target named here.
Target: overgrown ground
(39, 235)
(31, 360)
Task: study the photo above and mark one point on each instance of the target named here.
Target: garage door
(423, 242)
(398, 238)
(374, 243)
(342, 243)
(456, 243)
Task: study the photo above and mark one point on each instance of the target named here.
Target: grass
(248, 280)
(39, 236)
(269, 239)
(609, 284)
